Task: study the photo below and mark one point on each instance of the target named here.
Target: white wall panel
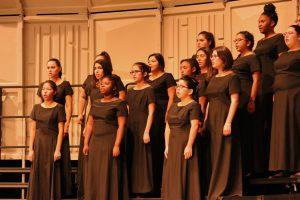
(128, 38)
(67, 41)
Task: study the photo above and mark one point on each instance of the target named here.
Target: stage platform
(14, 178)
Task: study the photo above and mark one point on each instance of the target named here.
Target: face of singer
(153, 64)
(47, 92)
(265, 24)
(182, 90)
(216, 62)
(186, 69)
(98, 71)
(137, 74)
(201, 41)
(106, 86)
(291, 38)
(201, 59)
(241, 43)
(53, 70)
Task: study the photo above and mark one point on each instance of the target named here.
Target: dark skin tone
(106, 88)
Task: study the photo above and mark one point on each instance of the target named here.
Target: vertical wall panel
(127, 39)
(185, 32)
(66, 41)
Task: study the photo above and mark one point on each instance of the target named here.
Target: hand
(166, 152)
(202, 128)
(146, 137)
(227, 129)
(116, 151)
(251, 106)
(188, 152)
(66, 129)
(79, 119)
(85, 150)
(56, 156)
(31, 155)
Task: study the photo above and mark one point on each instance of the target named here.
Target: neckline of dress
(158, 77)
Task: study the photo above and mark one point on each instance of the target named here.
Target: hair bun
(269, 8)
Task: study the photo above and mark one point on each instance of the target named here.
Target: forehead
(291, 29)
(47, 85)
(240, 35)
(152, 58)
(97, 65)
(201, 52)
(135, 67)
(202, 37)
(51, 63)
(263, 17)
(106, 80)
(181, 82)
(185, 64)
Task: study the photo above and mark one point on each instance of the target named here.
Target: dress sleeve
(119, 84)
(234, 85)
(170, 81)
(86, 86)
(254, 64)
(122, 109)
(33, 113)
(61, 114)
(68, 89)
(201, 88)
(150, 96)
(194, 111)
(280, 45)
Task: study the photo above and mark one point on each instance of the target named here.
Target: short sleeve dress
(160, 86)
(106, 177)
(244, 67)
(140, 153)
(267, 51)
(44, 179)
(285, 135)
(90, 88)
(64, 89)
(226, 177)
(181, 176)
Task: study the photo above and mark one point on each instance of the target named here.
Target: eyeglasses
(238, 40)
(214, 56)
(135, 71)
(288, 33)
(181, 87)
